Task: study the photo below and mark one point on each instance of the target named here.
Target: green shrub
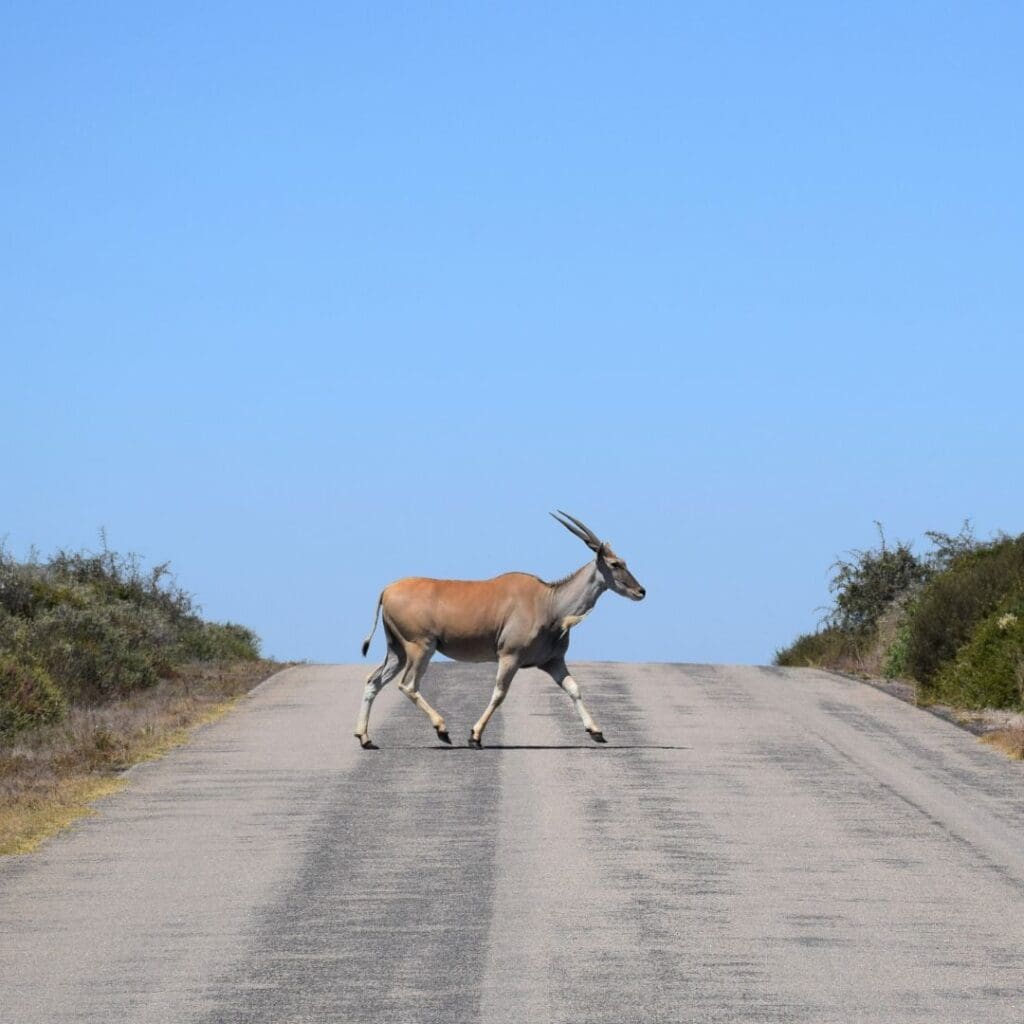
(17, 585)
(28, 696)
(948, 548)
(101, 626)
(8, 630)
(930, 618)
(988, 670)
(866, 584)
(825, 648)
(114, 578)
(219, 641)
(895, 660)
(955, 601)
(101, 650)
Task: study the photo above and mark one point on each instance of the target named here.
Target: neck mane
(578, 592)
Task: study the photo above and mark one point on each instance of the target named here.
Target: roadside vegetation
(103, 663)
(949, 621)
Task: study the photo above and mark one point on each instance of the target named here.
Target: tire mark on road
(612, 885)
(387, 915)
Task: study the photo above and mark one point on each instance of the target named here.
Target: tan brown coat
(515, 619)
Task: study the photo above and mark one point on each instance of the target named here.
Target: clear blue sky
(307, 297)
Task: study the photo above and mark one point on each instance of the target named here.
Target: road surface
(753, 844)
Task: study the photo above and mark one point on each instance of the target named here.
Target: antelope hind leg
(375, 682)
(419, 657)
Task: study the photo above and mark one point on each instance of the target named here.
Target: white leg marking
(559, 672)
(507, 668)
(375, 682)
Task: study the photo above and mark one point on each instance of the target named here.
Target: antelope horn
(583, 526)
(581, 530)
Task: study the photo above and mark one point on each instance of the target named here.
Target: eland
(516, 620)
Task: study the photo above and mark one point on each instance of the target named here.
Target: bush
(825, 648)
(948, 548)
(8, 630)
(17, 585)
(955, 601)
(79, 578)
(100, 626)
(100, 650)
(894, 664)
(941, 619)
(867, 584)
(28, 696)
(988, 671)
(219, 641)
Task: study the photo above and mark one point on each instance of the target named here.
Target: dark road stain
(388, 914)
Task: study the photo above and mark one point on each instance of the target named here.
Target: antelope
(517, 620)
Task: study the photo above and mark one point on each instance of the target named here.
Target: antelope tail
(366, 642)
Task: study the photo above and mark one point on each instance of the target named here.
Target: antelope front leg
(560, 674)
(506, 670)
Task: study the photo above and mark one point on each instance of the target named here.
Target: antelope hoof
(475, 743)
(442, 735)
(597, 736)
(366, 743)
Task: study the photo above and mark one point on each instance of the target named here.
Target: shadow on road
(593, 748)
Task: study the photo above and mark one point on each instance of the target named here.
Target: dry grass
(50, 775)
(1009, 741)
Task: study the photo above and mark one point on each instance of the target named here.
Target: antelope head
(612, 568)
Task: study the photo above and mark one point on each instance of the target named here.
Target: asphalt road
(752, 845)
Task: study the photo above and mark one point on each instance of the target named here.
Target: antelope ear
(602, 551)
